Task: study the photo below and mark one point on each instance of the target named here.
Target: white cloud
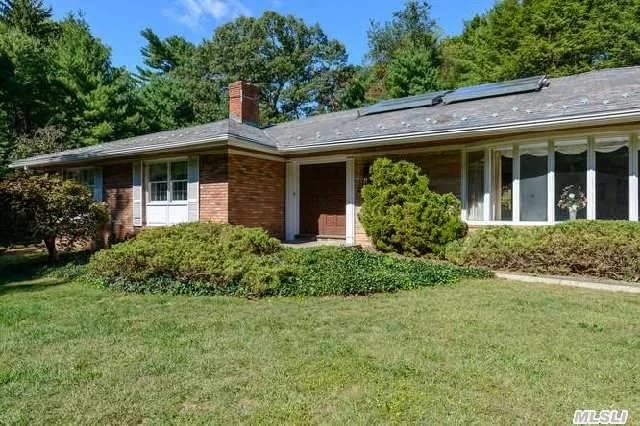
(193, 13)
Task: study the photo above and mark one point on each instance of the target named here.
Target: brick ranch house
(507, 150)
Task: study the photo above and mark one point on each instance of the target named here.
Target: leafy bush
(51, 209)
(401, 214)
(210, 259)
(597, 248)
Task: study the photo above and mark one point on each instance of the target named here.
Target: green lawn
(479, 352)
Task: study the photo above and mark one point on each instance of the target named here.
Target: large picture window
(503, 185)
(475, 185)
(553, 181)
(570, 175)
(612, 181)
(533, 183)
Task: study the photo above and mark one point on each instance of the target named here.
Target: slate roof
(581, 94)
(153, 142)
(573, 96)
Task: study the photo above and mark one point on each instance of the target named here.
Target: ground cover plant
(219, 259)
(604, 249)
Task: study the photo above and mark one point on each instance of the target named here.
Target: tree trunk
(50, 243)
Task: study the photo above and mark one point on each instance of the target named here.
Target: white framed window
(90, 177)
(167, 182)
(524, 182)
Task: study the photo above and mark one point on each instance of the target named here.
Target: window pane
(503, 185)
(158, 172)
(533, 184)
(475, 185)
(158, 191)
(87, 177)
(179, 191)
(612, 184)
(571, 178)
(179, 171)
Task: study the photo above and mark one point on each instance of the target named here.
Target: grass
(488, 352)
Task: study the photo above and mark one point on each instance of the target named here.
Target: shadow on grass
(30, 270)
(38, 284)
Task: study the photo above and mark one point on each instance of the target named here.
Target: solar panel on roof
(490, 90)
(426, 100)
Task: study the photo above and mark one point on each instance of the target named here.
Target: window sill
(167, 203)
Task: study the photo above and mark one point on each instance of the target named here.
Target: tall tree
(161, 56)
(405, 52)
(102, 104)
(31, 17)
(290, 61)
(520, 38)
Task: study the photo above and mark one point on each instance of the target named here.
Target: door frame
(292, 208)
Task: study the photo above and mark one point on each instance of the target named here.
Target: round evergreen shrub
(193, 258)
(401, 214)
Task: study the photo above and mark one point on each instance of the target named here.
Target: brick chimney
(244, 103)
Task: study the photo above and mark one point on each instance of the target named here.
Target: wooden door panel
(323, 199)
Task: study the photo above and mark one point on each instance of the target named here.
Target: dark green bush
(401, 214)
(596, 248)
(210, 259)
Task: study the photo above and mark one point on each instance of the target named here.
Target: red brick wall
(214, 188)
(244, 99)
(257, 193)
(118, 195)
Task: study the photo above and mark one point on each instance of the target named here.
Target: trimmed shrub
(216, 259)
(597, 248)
(197, 258)
(401, 214)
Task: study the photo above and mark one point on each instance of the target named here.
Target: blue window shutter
(137, 193)
(193, 189)
(98, 183)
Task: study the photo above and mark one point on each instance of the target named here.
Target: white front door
(166, 193)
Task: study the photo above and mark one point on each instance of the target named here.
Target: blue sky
(119, 22)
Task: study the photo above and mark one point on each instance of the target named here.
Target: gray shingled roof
(153, 142)
(582, 94)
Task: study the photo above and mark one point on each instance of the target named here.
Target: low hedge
(604, 249)
(215, 259)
